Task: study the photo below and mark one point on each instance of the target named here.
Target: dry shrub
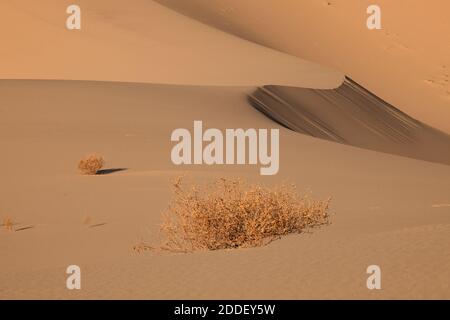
(87, 220)
(8, 224)
(141, 246)
(230, 213)
(91, 164)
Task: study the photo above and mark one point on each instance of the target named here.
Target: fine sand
(142, 42)
(385, 208)
(352, 115)
(134, 73)
(407, 62)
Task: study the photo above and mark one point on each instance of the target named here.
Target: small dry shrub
(141, 246)
(230, 213)
(8, 224)
(91, 164)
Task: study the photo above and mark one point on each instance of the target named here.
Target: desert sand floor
(387, 210)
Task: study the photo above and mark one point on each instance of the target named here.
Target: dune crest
(352, 115)
(406, 64)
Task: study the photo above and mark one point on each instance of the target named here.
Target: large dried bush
(91, 164)
(231, 213)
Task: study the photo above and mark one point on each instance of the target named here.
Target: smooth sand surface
(407, 62)
(140, 42)
(385, 208)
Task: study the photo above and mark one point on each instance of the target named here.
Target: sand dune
(143, 70)
(382, 204)
(352, 115)
(406, 63)
(142, 42)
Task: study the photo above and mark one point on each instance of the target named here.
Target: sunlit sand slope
(140, 41)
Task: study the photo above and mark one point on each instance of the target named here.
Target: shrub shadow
(97, 225)
(109, 171)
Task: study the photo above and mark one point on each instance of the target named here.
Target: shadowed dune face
(352, 115)
(407, 62)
